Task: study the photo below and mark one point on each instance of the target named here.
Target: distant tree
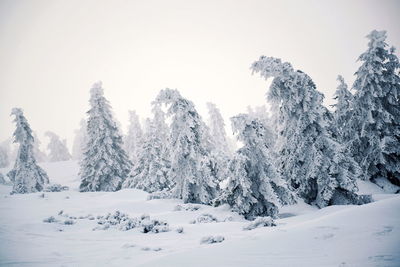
(134, 139)
(314, 164)
(58, 150)
(151, 174)
(375, 119)
(190, 169)
(40, 156)
(219, 146)
(80, 141)
(255, 187)
(105, 164)
(4, 155)
(26, 176)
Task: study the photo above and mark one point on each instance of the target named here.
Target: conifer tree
(190, 169)
(375, 119)
(58, 150)
(40, 156)
(26, 176)
(313, 163)
(134, 139)
(105, 164)
(151, 173)
(80, 141)
(255, 188)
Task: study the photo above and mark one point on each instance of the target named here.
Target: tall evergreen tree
(134, 139)
(105, 164)
(58, 150)
(190, 160)
(26, 176)
(80, 141)
(375, 120)
(151, 174)
(315, 165)
(255, 188)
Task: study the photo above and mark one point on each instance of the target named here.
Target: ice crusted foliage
(343, 109)
(314, 164)
(219, 144)
(151, 173)
(57, 148)
(260, 113)
(105, 164)
(260, 222)
(375, 119)
(212, 239)
(26, 176)
(123, 222)
(191, 165)
(204, 218)
(255, 188)
(134, 139)
(80, 140)
(55, 188)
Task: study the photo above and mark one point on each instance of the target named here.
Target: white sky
(52, 51)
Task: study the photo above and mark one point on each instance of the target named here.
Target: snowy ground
(366, 235)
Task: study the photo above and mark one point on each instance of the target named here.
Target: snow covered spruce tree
(190, 168)
(58, 150)
(134, 139)
(376, 116)
(314, 164)
(255, 188)
(26, 176)
(342, 112)
(105, 164)
(218, 141)
(151, 172)
(80, 140)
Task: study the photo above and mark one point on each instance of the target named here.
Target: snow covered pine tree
(105, 164)
(133, 141)
(190, 160)
(26, 176)
(254, 188)
(80, 140)
(58, 149)
(313, 163)
(151, 172)
(376, 116)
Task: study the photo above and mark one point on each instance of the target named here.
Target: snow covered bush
(204, 218)
(51, 219)
(313, 163)
(165, 194)
(55, 188)
(254, 188)
(26, 176)
(260, 222)
(187, 207)
(212, 239)
(191, 164)
(105, 164)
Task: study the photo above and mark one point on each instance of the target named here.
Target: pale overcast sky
(52, 51)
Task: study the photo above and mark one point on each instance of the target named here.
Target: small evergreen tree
(313, 163)
(134, 138)
(80, 141)
(105, 164)
(190, 169)
(255, 188)
(376, 114)
(58, 149)
(151, 174)
(26, 176)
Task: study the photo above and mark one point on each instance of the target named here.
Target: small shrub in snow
(187, 207)
(69, 222)
(56, 188)
(179, 230)
(204, 218)
(51, 219)
(160, 195)
(260, 222)
(212, 239)
(153, 226)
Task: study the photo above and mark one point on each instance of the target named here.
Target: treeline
(302, 151)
